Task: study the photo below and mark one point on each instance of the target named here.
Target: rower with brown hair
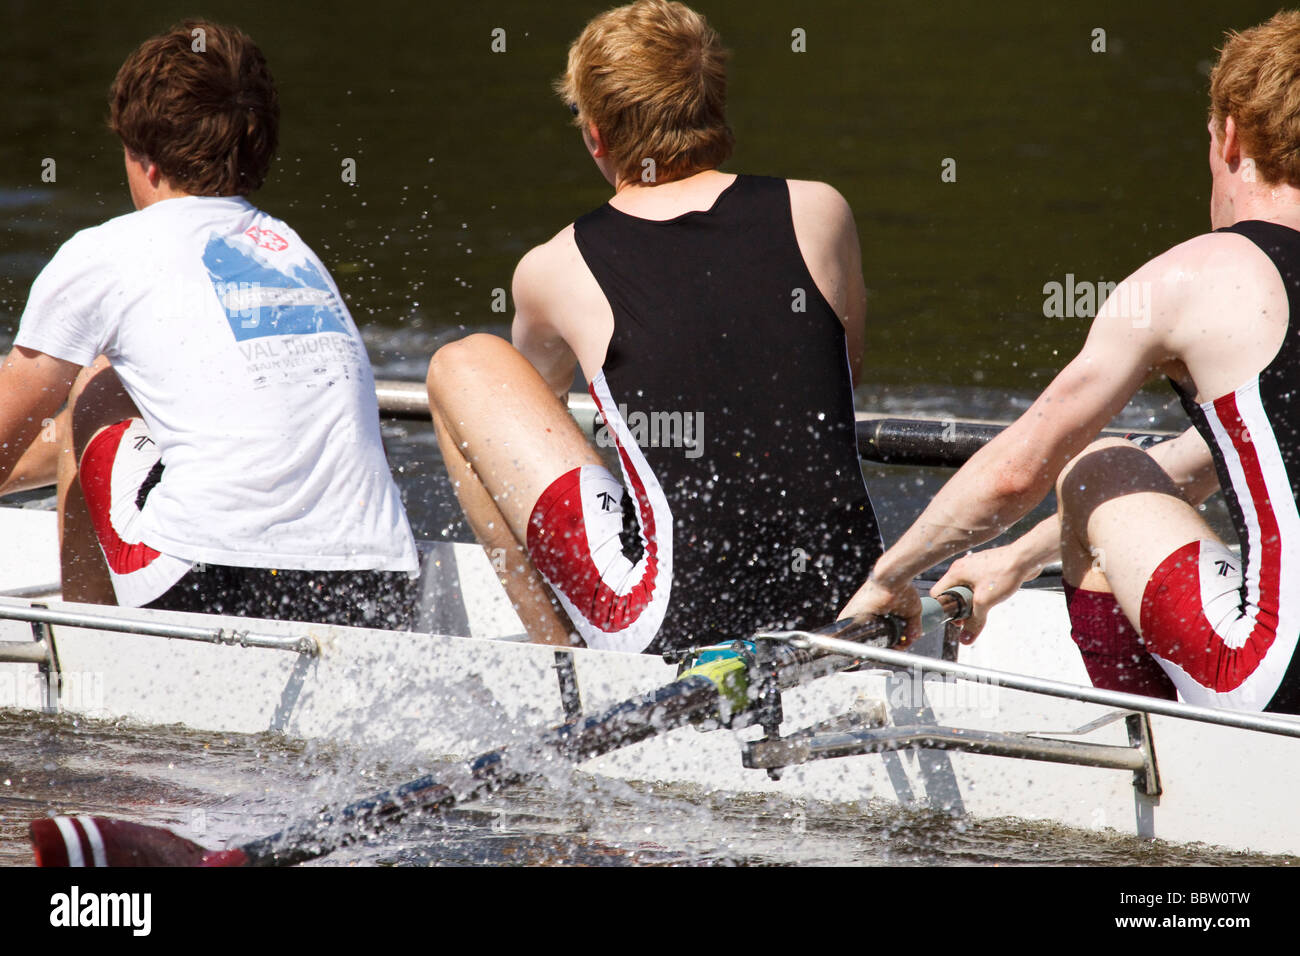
(722, 312)
(1158, 603)
(225, 430)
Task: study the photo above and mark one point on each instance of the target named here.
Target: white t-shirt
(234, 342)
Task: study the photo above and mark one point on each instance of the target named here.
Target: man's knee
(466, 361)
(1071, 476)
(1106, 469)
(84, 377)
(97, 399)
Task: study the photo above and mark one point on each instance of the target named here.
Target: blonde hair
(1257, 83)
(652, 77)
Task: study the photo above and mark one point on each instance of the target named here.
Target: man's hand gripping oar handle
(953, 604)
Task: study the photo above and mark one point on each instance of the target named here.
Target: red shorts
(118, 469)
(601, 559)
(1217, 639)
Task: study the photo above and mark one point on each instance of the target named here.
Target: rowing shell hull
(415, 695)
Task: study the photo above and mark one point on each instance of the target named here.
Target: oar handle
(953, 604)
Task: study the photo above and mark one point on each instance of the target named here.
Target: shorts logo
(267, 239)
(606, 501)
(1224, 568)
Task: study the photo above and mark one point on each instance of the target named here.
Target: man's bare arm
(39, 465)
(1006, 478)
(33, 386)
(534, 332)
(828, 240)
(1186, 459)
(1014, 472)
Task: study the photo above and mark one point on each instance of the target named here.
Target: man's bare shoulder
(818, 199)
(540, 261)
(1204, 279)
(823, 225)
(1203, 259)
(553, 283)
(1219, 306)
(546, 268)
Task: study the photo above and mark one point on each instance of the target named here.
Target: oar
(944, 443)
(719, 687)
(950, 443)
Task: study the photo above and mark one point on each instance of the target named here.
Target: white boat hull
(415, 694)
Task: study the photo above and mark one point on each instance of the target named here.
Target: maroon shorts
(1112, 651)
(1204, 638)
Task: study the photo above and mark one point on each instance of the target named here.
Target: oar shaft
(622, 725)
(947, 443)
(922, 442)
(398, 399)
(943, 443)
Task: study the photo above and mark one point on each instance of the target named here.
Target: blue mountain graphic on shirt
(260, 300)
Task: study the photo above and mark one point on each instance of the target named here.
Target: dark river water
(1069, 161)
(221, 787)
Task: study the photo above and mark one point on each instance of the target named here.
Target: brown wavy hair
(1257, 83)
(209, 119)
(652, 77)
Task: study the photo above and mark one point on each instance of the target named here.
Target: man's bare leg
(1121, 516)
(532, 599)
(97, 401)
(65, 471)
(505, 437)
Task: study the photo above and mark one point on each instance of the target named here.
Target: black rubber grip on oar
(947, 443)
(908, 441)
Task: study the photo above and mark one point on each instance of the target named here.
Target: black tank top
(735, 368)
